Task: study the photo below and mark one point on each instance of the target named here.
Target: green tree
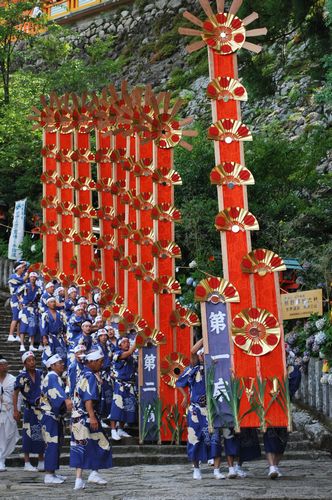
(15, 18)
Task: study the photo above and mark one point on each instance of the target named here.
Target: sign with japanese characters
(149, 391)
(17, 232)
(218, 359)
(302, 304)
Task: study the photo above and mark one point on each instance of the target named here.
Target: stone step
(140, 458)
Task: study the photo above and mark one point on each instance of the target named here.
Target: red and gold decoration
(254, 320)
(108, 180)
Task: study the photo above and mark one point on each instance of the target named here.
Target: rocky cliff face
(146, 34)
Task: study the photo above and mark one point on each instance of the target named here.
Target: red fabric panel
(66, 250)
(106, 199)
(50, 251)
(86, 252)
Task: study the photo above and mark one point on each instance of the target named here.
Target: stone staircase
(129, 452)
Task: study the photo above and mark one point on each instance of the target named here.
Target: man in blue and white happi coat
(71, 301)
(106, 373)
(54, 405)
(52, 329)
(75, 368)
(28, 383)
(124, 403)
(16, 285)
(47, 293)
(89, 447)
(202, 445)
(30, 313)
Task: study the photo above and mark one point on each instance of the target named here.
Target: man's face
(102, 339)
(32, 280)
(73, 295)
(78, 355)
(3, 368)
(30, 363)
(58, 367)
(96, 365)
(111, 333)
(124, 346)
(93, 312)
(79, 312)
(51, 304)
(86, 329)
(50, 289)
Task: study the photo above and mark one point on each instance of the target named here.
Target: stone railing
(312, 392)
(6, 269)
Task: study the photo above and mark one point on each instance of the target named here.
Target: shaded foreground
(303, 479)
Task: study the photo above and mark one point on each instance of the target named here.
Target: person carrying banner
(202, 444)
(30, 313)
(16, 285)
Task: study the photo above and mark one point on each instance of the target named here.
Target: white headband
(72, 289)
(33, 275)
(122, 339)
(3, 361)
(79, 348)
(102, 331)
(94, 355)
(82, 300)
(26, 355)
(48, 285)
(53, 359)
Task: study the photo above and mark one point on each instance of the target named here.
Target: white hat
(98, 318)
(92, 306)
(122, 339)
(94, 355)
(50, 299)
(102, 331)
(78, 308)
(72, 289)
(82, 300)
(53, 359)
(26, 355)
(59, 289)
(22, 264)
(79, 348)
(3, 361)
(87, 321)
(33, 275)
(50, 283)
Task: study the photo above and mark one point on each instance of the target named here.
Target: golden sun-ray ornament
(228, 130)
(183, 317)
(236, 219)
(256, 331)
(163, 126)
(231, 174)
(172, 366)
(262, 262)
(226, 89)
(222, 31)
(215, 290)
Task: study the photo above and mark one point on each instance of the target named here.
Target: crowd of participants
(89, 374)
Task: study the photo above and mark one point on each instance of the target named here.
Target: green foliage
(176, 423)
(32, 249)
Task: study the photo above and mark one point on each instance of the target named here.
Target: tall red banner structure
(108, 220)
(249, 311)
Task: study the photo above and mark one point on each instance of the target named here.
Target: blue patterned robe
(32, 440)
(16, 285)
(74, 371)
(88, 449)
(53, 410)
(30, 312)
(124, 403)
(108, 382)
(69, 307)
(53, 329)
(202, 445)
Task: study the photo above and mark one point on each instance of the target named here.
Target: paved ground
(303, 479)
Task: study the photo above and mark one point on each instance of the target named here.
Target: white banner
(17, 233)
